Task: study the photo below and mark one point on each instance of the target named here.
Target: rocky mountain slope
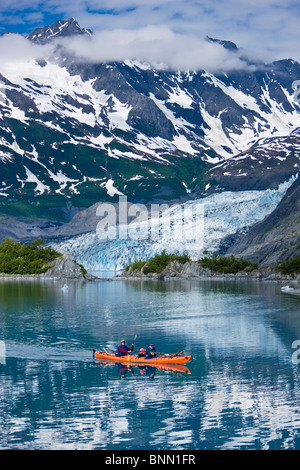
(277, 237)
(74, 133)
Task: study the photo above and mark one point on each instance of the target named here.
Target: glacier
(195, 227)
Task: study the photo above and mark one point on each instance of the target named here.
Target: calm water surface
(242, 391)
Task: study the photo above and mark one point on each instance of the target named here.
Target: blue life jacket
(120, 352)
(150, 353)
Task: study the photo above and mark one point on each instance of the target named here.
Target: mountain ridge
(61, 28)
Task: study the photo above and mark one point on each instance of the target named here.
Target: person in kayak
(142, 352)
(124, 350)
(151, 352)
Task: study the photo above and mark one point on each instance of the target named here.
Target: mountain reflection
(242, 391)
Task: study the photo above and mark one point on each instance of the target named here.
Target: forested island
(166, 265)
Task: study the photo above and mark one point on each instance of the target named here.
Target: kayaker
(124, 350)
(142, 352)
(151, 352)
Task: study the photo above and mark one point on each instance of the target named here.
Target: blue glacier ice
(193, 227)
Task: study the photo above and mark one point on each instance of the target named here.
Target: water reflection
(242, 389)
(145, 369)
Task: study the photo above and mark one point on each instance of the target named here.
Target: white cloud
(14, 47)
(267, 27)
(156, 45)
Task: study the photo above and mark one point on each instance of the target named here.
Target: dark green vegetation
(17, 258)
(226, 265)
(290, 266)
(158, 263)
(83, 270)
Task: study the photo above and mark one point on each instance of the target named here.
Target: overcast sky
(267, 28)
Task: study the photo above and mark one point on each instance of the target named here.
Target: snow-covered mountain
(224, 146)
(74, 133)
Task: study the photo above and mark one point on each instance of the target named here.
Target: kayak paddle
(132, 346)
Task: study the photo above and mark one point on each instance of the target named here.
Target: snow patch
(111, 190)
(180, 97)
(31, 178)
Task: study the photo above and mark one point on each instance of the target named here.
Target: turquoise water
(242, 391)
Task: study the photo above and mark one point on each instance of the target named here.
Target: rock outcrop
(65, 267)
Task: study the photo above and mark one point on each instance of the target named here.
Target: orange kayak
(135, 359)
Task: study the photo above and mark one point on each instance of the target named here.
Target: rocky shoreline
(193, 270)
(65, 267)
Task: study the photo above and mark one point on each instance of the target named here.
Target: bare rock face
(65, 267)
